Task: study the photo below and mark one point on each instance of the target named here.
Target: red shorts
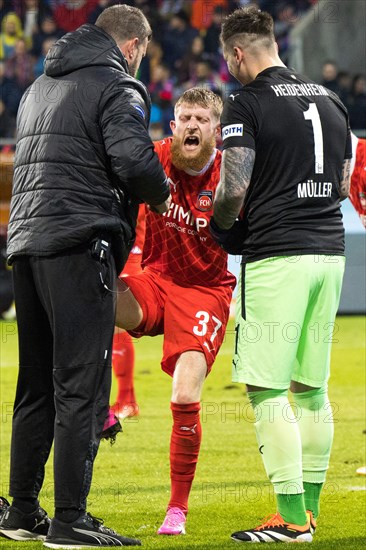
(191, 318)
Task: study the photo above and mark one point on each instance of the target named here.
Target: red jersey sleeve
(358, 179)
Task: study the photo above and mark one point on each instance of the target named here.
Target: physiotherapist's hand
(162, 207)
(231, 240)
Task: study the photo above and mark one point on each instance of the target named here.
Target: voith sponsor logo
(232, 130)
(204, 201)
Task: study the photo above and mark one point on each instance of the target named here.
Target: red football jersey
(178, 243)
(358, 178)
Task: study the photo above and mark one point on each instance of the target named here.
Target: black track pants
(65, 322)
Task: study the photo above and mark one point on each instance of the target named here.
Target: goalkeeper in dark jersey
(285, 169)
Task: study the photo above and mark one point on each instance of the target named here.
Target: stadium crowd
(185, 50)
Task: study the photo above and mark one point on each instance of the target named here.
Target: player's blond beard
(195, 163)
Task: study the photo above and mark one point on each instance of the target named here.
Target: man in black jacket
(84, 161)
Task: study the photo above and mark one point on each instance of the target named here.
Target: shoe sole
(305, 538)
(127, 413)
(172, 534)
(182, 532)
(21, 535)
(123, 416)
(70, 545)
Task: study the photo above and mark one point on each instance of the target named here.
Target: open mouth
(191, 142)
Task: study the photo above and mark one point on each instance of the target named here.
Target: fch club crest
(204, 201)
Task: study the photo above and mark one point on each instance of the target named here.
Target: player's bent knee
(128, 310)
(184, 397)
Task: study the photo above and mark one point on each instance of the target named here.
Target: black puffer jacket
(84, 159)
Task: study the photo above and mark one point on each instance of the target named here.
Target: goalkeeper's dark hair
(202, 97)
(124, 22)
(247, 25)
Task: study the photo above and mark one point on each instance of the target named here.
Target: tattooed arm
(236, 170)
(345, 180)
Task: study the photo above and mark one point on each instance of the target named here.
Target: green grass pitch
(230, 492)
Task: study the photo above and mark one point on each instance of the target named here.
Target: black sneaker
(86, 532)
(16, 525)
(275, 529)
(4, 505)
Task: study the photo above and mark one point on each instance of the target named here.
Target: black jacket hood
(86, 47)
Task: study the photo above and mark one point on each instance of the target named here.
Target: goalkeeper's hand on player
(231, 240)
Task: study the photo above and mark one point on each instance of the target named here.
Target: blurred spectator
(161, 91)
(5, 7)
(286, 17)
(10, 92)
(38, 66)
(300, 6)
(31, 13)
(357, 103)
(7, 122)
(156, 131)
(11, 31)
(212, 37)
(205, 77)
(155, 117)
(196, 53)
(177, 39)
(329, 74)
(19, 67)
(161, 84)
(344, 85)
(48, 29)
(73, 13)
(169, 7)
(153, 57)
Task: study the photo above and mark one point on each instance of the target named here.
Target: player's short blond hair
(203, 97)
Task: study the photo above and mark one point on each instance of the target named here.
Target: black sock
(68, 515)
(25, 505)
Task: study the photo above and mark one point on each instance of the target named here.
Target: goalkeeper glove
(231, 240)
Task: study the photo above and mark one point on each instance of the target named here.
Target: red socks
(184, 449)
(123, 359)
